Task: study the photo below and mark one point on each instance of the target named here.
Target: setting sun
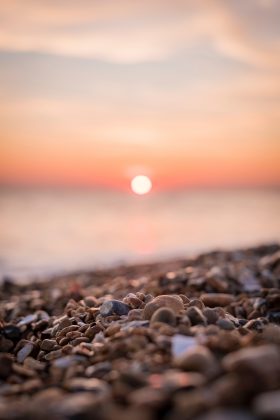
(141, 184)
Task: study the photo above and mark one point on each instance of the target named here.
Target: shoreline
(185, 338)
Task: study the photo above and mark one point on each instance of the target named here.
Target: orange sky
(93, 93)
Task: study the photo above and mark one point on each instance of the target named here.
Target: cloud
(130, 31)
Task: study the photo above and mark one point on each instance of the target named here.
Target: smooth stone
(267, 405)
(197, 303)
(225, 324)
(173, 302)
(24, 352)
(262, 363)
(181, 343)
(12, 332)
(90, 301)
(196, 316)
(197, 359)
(210, 315)
(216, 299)
(48, 345)
(27, 320)
(165, 315)
(111, 307)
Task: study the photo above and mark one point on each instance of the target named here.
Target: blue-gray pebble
(114, 307)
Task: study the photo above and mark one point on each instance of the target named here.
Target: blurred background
(94, 93)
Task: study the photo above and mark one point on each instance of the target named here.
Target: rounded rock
(173, 302)
(114, 307)
(196, 316)
(197, 359)
(216, 299)
(165, 315)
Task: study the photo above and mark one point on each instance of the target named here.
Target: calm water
(50, 231)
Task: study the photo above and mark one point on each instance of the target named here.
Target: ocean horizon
(49, 231)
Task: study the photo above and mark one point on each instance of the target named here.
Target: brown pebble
(48, 345)
(261, 363)
(196, 302)
(53, 355)
(90, 301)
(211, 315)
(198, 359)
(170, 301)
(165, 315)
(216, 299)
(196, 316)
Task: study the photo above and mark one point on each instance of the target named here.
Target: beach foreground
(196, 338)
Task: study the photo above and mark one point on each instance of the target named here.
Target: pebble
(173, 302)
(197, 359)
(181, 343)
(262, 363)
(210, 315)
(267, 405)
(216, 299)
(25, 351)
(111, 307)
(196, 316)
(12, 332)
(27, 320)
(48, 345)
(165, 315)
(225, 324)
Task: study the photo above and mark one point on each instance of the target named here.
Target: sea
(53, 231)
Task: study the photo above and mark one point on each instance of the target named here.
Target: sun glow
(141, 184)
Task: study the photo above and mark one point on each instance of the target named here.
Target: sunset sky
(94, 92)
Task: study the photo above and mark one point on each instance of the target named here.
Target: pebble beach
(196, 338)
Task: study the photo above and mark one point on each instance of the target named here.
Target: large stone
(173, 302)
(260, 365)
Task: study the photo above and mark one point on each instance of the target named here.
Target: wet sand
(197, 338)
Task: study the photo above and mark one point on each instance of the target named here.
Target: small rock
(211, 315)
(181, 343)
(11, 332)
(25, 351)
(111, 307)
(165, 315)
(196, 302)
(48, 345)
(90, 301)
(216, 299)
(55, 354)
(197, 359)
(196, 316)
(225, 324)
(27, 320)
(267, 405)
(261, 363)
(173, 302)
